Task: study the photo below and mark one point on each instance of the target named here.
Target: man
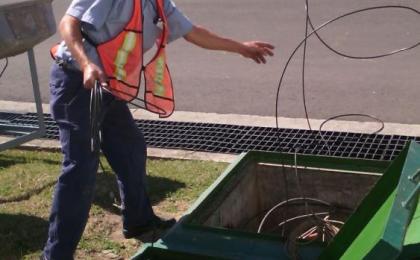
(77, 67)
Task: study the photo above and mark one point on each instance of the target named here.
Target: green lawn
(27, 179)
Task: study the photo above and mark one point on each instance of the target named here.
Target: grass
(27, 177)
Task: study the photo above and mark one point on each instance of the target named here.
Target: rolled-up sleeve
(93, 12)
(179, 24)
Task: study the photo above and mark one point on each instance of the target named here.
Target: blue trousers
(123, 145)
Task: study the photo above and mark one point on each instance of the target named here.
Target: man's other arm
(255, 50)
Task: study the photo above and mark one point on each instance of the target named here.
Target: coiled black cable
(96, 115)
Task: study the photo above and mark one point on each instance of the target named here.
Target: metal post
(40, 131)
(37, 94)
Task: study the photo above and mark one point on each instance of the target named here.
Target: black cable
(348, 115)
(303, 68)
(304, 42)
(160, 110)
(98, 111)
(97, 114)
(286, 190)
(364, 57)
(327, 23)
(5, 67)
(315, 31)
(298, 184)
(285, 202)
(96, 117)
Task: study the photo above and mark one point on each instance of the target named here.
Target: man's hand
(92, 73)
(257, 51)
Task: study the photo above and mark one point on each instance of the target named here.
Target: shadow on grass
(107, 193)
(160, 188)
(10, 160)
(21, 235)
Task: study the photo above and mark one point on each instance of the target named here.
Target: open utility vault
(257, 210)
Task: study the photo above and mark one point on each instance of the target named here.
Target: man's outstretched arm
(255, 50)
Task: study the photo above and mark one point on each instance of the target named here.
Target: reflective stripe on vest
(122, 56)
(159, 90)
(122, 60)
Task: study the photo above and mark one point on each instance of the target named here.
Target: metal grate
(223, 138)
(7, 117)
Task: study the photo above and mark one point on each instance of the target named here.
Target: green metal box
(224, 221)
(386, 225)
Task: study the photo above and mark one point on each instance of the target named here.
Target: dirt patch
(112, 244)
(171, 209)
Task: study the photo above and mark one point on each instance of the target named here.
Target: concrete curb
(156, 153)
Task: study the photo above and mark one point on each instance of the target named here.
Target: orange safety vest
(122, 59)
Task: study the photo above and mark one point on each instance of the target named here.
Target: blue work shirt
(104, 19)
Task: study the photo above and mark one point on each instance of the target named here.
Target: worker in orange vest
(104, 41)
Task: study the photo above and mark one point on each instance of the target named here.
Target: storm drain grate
(234, 139)
(8, 117)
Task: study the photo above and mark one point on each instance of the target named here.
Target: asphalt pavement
(224, 83)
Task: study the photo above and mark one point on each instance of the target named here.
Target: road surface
(217, 82)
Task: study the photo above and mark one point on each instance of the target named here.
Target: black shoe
(154, 224)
